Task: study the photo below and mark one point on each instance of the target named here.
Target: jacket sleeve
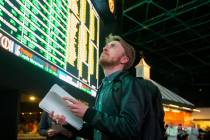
(127, 124)
(44, 126)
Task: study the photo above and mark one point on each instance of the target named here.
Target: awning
(169, 96)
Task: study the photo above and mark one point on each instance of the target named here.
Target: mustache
(105, 52)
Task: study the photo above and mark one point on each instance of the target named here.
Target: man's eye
(112, 45)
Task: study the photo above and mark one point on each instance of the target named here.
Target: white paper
(53, 102)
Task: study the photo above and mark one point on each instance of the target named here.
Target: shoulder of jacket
(123, 75)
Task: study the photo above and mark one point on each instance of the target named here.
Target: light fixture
(196, 110)
(32, 98)
(109, 10)
(166, 109)
(111, 4)
(186, 108)
(171, 105)
(175, 110)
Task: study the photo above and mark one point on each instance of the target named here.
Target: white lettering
(6, 43)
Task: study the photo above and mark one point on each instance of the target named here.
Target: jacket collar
(121, 75)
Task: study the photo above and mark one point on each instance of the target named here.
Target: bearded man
(123, 110)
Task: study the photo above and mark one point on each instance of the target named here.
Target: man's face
(113, 54)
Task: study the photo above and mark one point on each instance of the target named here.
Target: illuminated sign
(59, 36)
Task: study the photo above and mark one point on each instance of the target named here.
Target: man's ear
(124, 60)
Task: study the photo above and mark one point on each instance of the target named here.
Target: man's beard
(108, 62)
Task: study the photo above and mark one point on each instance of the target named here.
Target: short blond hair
(129, 50)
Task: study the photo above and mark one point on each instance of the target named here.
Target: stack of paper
(53, 102)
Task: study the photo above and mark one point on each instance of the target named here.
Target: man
(123, 110)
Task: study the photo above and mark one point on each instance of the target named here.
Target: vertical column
(9, 114)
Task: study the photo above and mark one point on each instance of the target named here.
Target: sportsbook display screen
(58, 36)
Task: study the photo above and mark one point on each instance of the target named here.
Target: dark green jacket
(127, 112)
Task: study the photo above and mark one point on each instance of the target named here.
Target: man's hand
(76, 107)
(59, 119)
(51, 132)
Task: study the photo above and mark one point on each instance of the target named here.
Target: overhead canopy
(169, 96)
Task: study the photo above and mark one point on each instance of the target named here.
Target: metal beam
(166, 58)
(195, 50)
(171, 13)
(162, 36)
(180, 21)
(134, 6)
(184, 29)
(182, 43)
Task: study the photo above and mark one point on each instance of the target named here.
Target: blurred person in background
(172, 132)
(193, 133)
(182, 134)
(53, 131)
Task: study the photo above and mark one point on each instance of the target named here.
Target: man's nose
(106, 48)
